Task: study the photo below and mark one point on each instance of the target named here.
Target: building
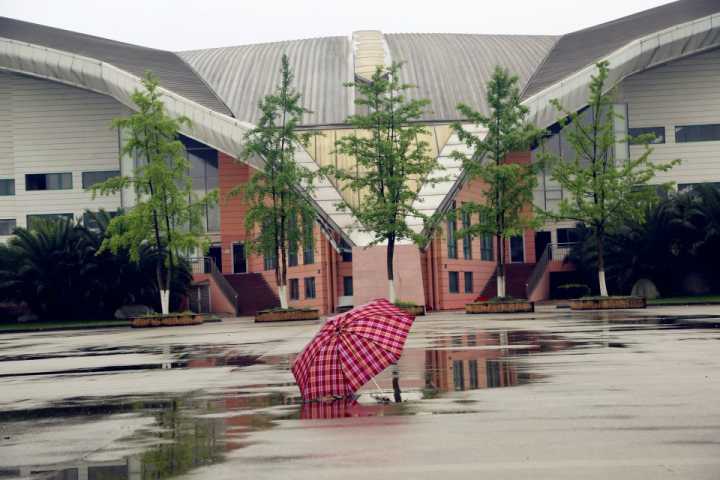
(59, 91)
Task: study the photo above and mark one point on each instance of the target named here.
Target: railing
(207, 265)
(554, 252)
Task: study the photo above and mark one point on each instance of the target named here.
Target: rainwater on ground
(219, 401)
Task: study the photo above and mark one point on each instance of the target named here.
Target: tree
(167, 214)
(602, 193)
(279, 210)
(393, 163)
(509, 186)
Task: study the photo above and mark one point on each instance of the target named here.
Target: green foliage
(388, 153)
(601, 192)
(59, 272)
(279, 209)
(167, 215)
(676, 237)
(508, 186)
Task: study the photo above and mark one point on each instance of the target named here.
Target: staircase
(253, 292)
(516, 278)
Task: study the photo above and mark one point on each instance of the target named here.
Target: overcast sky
(191, 24)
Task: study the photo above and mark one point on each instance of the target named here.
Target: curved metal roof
(452, 68)
(577, 50)
(172, 72)
(243, 75)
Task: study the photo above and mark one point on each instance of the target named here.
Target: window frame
(310, 288)
(453, 287)
(3, 221)
(679, 132)
(466, 276)
(83, 175)
(294, 287)
(10, 182)
(45, 182)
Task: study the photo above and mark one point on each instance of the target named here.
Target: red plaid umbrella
(350, 349)
(343, 408)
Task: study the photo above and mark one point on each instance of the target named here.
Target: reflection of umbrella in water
(350, 349)
(342, 408)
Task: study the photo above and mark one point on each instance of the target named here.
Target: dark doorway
(215, 253)
(517, 249)
(239, 261)
(542, 239)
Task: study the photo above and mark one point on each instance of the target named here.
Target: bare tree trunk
(390, 269)
(601, 263)
(501, 267)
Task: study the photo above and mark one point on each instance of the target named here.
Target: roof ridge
(243, 45)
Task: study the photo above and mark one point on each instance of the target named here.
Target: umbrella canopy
(350, 349)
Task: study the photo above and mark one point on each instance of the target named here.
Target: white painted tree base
(165, 301)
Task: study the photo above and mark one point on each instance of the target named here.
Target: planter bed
(414, 310)
(607, 303)
(507, 306)
(287, 315)
(170, 320)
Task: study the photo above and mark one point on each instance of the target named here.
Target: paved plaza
(555, 394)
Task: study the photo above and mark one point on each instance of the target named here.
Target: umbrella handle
(377, 386)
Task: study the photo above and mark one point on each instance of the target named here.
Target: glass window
(47, 217)
(204, 176)
(270, 253)
(92, 178)
(473, 368)
(308, 242)
(345, 251)
(697, 133)
(452, 237)
(238, 257)
(269, 260)
(567, 235)
(347, 286)
(468, 282)
(48, 181)
(310, 287)
(293, 246)
(486, 247)
(659, 133)
(467, 240)
(454, 282)
(7, 226)
(89, 221)
(294, 289)
(458, 375)
(517, 249)
(7, 187)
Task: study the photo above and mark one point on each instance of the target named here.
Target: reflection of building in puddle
(476, 360)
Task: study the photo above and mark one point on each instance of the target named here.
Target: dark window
(215, 253)
(467, 240)
(458, 375)
(347, 286)
(468, 282)
(91, 178)
(48, 217)
(452, 237)
(567, 235)
(270, 252)
(7, 226)
(697, 133)
(204, 176)
(48, 181)
(239, 261)
(517, 249)
(293, 254)
(659, 133)
(90, 222)
(454, 280)
(308, 242)
(7, 187)
(345, 251)
(310, 287)
(294, 289)
(683, 187)
(473, 368)
(486, 247)
(269, 260)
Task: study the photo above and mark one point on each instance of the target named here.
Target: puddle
(169, 435)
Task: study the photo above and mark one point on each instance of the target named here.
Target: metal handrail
(553, 252)
(207, 265)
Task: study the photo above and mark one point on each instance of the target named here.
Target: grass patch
(697, 300)
(405, 304)
(71, 325)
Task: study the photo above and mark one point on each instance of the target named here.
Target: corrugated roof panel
(243, 75)
(577, 50)
(453, 68)
(172, 72)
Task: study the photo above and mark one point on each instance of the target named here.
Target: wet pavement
(555, 394)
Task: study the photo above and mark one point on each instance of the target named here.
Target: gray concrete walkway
(556, 394)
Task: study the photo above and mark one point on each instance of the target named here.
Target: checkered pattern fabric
(350, 349)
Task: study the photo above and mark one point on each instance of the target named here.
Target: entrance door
(542, 239)
(239, 261)
(215, 253)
